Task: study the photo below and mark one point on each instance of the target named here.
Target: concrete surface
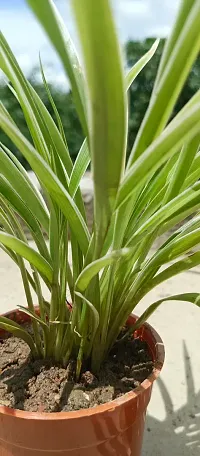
(173, 421)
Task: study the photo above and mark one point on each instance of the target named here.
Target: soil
(41, 386)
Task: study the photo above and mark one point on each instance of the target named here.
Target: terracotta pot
(115, 428)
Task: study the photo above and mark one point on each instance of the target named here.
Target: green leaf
(182, 265)
(57, 116)
(21, 183)
(147, 196)
(50, 182)
(9, 325)
(93, 268)
(190, 197)
(107, 105)
(54, 139)
(79, 168)
(10, 67)
(45, 124)
(46, 129)
(34, 316)
(182, 244)
(27, 252)
(24, 173)
(183, 13)
(191, 225)
(177, 247)
(180, 61)
(20, 207)
(186, 228)
(51, 134)
(194, 298)
(165, 146)
(53, 24)
(194, 173)
(137, 68)
(182, 168)
(94, 312)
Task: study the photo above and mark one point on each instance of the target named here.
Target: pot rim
(108, 406)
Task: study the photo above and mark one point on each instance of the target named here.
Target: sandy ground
(173, 420)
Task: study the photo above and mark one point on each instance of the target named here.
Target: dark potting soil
(41, 386)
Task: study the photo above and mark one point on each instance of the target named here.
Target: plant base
(113, 428)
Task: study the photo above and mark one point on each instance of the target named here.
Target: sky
(135, 19)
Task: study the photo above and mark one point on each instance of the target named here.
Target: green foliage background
(139, 95)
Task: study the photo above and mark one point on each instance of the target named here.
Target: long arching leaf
(165, 146)
(79, 168)
(107, 105)
(20, 182)
(27, 252)
(50, 181)
(181, 58)
(93, 309)
(194, 298)
(93, 268)
(21, 208)
(54, 26)
(17, 331)
(135, 70)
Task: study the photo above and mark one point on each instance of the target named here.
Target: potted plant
(75, 350)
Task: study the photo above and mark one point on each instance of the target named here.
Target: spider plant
(136, 199)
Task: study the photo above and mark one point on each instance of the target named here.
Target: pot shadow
(179, 433)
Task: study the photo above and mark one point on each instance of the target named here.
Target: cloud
(138, 19)
(24, 61)
(134, 7)
(135, 19)
(160, 31)
(26, 37)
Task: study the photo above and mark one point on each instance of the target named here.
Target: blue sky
(135, 19)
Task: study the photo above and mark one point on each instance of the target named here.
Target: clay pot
(115, 428)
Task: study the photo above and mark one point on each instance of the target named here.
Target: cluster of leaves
(65, 105)
(135, 201)
(141, 89)
(139, 96)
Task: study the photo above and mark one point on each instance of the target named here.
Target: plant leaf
(28, 253)
(21, 184)
(50, 182)
(94, 312)
(182, 15)
(53, 24)
(165, 146)
(34, 316)
(10, 67)
(107, 105)
(9, 325)
(79, 168)
(51, 134)
(16, 202)
(182, 168)
(93, 268)
(188, 198)
(137, 68)
(194, 298)
(182, 265)
(181, 58)
(57, 116)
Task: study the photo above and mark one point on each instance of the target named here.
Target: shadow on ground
(179, 433)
